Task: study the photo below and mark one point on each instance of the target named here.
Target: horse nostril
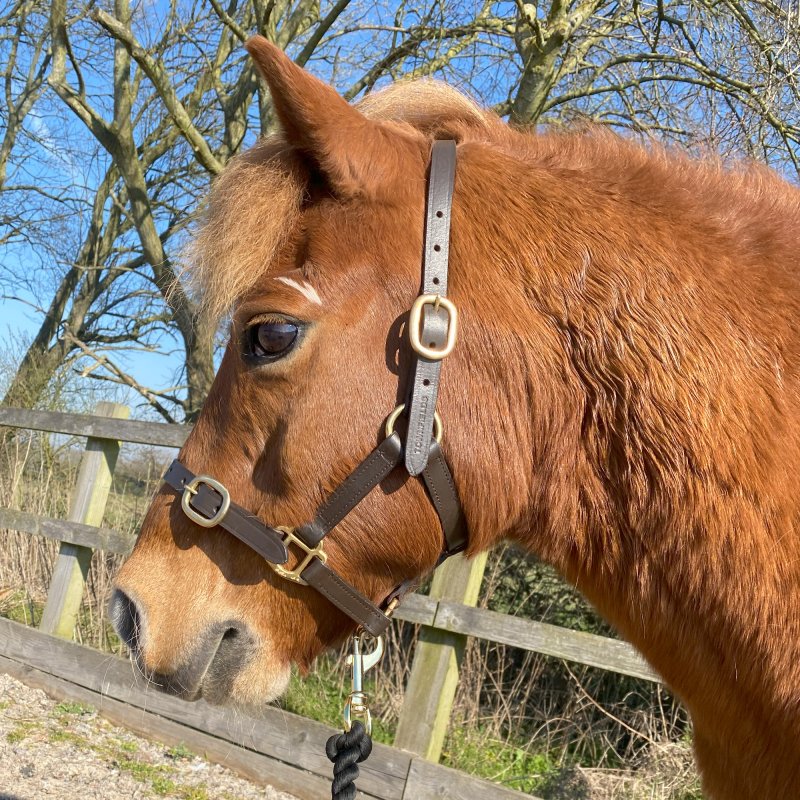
(232, 650)
(126, 619)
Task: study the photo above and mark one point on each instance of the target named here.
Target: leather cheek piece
(366, 476)
(424, 391)
(435, 322)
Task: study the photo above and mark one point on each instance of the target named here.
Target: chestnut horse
(622, 401)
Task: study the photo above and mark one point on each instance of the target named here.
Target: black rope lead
(347, 750)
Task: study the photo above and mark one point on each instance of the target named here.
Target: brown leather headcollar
(432, 334)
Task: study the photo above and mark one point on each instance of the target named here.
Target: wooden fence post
(434, 674)
(88, 506)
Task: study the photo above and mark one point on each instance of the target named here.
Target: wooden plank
(156, 433)
(585, 648)
(88, 506)
(254, 766)
(107, 683)
(277, 734)
(417, 608)
(62, 530)
(433, 681)
(428, 781)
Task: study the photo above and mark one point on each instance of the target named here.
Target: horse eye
(272, 339)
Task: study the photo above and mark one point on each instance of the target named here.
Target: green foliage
(193, 793)
(180, 753)
(69, 707)
(322, 694)
(21, 732)
(55, 736)
(528, 588)
(126, 746)
(163, 785)
(137, 768)
(20, 607)
(471, 750)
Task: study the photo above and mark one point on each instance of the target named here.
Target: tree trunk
(199, 344)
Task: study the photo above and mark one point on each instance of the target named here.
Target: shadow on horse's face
(314, 364)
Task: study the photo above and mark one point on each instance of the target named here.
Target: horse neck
(647, 391)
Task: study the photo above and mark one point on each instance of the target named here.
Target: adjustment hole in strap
(435, 281)
(437, 247)
(440, 214)
(426, 382)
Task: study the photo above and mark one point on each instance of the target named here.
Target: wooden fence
(283, 749)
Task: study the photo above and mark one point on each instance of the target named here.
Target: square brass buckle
(293, 575)
(415, 318)
(191, 489)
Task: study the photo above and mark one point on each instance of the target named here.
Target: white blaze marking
(304, 287)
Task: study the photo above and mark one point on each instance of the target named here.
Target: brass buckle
(415, 318)
(191, 488)
(393, 417)
(311, 553)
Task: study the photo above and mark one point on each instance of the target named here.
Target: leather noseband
(432, 334)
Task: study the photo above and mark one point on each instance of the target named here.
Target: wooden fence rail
(448, 616)
(282, 749)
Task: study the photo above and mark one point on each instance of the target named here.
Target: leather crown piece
(432, 333)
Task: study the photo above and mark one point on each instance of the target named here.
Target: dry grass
(37, 474)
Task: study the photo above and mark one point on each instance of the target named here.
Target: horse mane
(254, 204)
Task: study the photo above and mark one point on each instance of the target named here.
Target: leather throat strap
(207, 502)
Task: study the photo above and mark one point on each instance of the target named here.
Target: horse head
(312, 243)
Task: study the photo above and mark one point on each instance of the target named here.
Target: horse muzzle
(208, 670)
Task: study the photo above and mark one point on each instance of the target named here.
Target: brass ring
(393, 417)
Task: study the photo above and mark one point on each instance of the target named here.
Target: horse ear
(354, 154)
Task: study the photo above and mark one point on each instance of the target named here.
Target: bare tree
(723, 73)
(158, 103)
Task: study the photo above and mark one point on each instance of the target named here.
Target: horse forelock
(250, 212)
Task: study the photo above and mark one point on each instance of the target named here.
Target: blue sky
(63, 159)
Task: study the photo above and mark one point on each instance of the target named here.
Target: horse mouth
(226, 664)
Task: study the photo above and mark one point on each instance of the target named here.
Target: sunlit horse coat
(623, 400)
